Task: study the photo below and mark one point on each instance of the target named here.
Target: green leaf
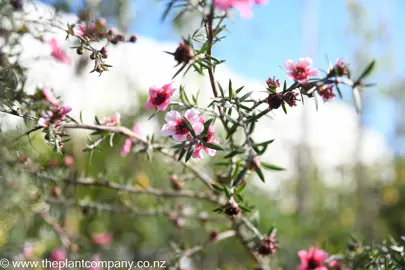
(240, 188)
(221, 90)
(260, 173)
(240, 176)
(367, 71)
(179, 146)
(232, 130)
(182, 153)
(97, 120)
(81, 117)
(240, 89)
(284, 107)
(245, 96)
(271, 167)
(227, 192)
(190, 152)
(230, 91)
(235, 152)
(207, 125)
(265, 143)
(213, 146)
(189, 126)
(244, 209)
(218, 188)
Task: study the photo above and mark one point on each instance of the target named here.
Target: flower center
(160, 98)
(300, 72)
(181, 128)
(312, 264)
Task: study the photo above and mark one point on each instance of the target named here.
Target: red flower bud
(133, 39)
(184, 53)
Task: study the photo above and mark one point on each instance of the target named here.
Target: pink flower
(50, 97)
(57, 52)
(128, 142)
(301, 71)
(244, 6)
(54, 116)
(58, 254)
(113, 120)
(102, 239)
(200, 147)
(313, 259)
(69, 161)
(176, 126)
(159, 98)
(95, 263)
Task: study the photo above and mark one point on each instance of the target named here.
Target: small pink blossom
(58, 254)
(244, 6)
(57, 52)
(69, 161)
(113, 120)
(200, 147)
(301, 71)
(176, 126)
(102, 239)
(326, 92)
(159, 98)
(50, 97)
(54, 116)
(312, 259)
(128, 142)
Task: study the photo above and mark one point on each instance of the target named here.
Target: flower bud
(80, 50)
(133, 39)
(175, 183)
(272, 84)
(268, 246)
(214, 235)
(274, 100)
(184, 53)
(232, 209)
(104, 52)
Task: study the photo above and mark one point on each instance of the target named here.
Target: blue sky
(282, 29)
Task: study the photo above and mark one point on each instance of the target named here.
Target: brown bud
(214, 235)
(133, 39)
(268, 246)
(254, 164)
(274, 100)
(232, 209)
(184, 53)
(104, 52)
(290, 98)
(175, 183)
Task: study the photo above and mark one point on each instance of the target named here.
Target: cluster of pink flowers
(176, 127)
(56, 114)
(316, 259)
(128, 141)
(244, 6)
(301, 71)
(160, 98)
(57, 52)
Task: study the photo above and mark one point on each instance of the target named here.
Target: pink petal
(172, 116)
(137, 129)
(126, 148)
(191, 115)
(303, 254)
(153, 90)
(148, 105)
(307, 61)
(313, 72)
(198, 127)
(210, 151)
(42, 122)
(168, 130)
(245, 11)
(179, 138)
(289, 65)
(198, 152)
